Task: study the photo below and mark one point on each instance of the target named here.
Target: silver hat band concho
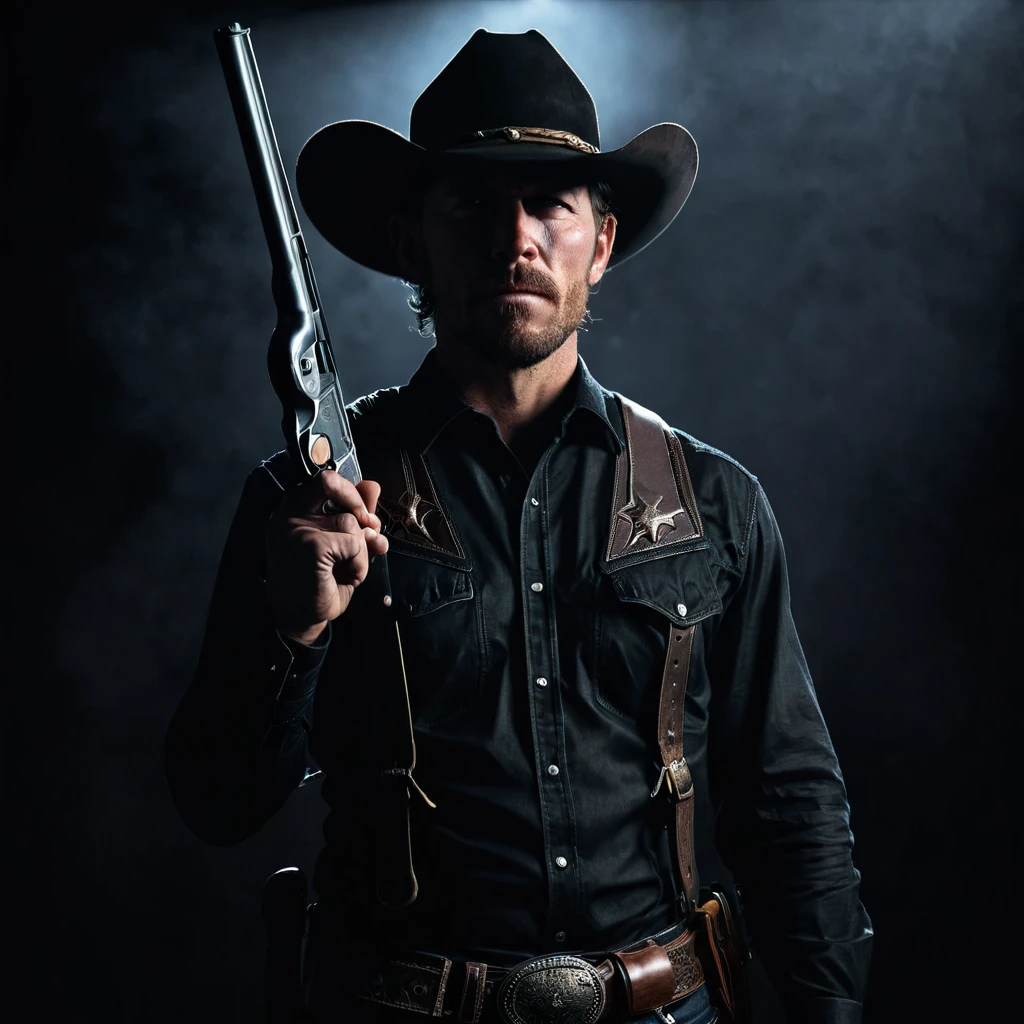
(567, 986)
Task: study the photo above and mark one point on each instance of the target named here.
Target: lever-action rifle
(299, 358)
(317, 432)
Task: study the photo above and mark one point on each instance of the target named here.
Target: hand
(315, 561)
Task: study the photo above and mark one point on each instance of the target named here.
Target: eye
(551, 202)
(466, 202)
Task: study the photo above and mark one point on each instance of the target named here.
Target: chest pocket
(442, 637)
(636, 604)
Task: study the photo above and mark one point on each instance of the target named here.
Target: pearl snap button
(552, 769)
(561, 862)
(681, 608)
(542, 681)
(536, 587)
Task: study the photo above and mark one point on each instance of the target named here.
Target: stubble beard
(515, 335)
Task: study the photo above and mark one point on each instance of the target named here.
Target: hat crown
(503, 79)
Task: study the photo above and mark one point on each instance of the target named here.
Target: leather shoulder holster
(654, 509)
(653, 513)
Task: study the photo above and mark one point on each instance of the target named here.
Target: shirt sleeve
(783, 819)
(237, 744)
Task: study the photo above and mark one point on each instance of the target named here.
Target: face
(509, 262)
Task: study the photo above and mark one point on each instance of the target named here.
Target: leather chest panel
(654, 510)
(414, 517)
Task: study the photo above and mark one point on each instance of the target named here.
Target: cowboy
(594, 613)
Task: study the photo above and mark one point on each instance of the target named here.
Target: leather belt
(642, 977)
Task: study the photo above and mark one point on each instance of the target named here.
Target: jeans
(695, 1008)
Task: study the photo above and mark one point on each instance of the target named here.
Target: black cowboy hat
(502, 97)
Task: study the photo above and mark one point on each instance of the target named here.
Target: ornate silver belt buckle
(552, 990)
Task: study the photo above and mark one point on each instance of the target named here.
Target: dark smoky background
(838, 306)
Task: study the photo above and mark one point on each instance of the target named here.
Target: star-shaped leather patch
(409, 513)
(645, 520)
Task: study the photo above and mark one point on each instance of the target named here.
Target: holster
(722, 951)
(285, 914)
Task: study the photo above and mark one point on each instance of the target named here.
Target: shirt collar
(437, 403)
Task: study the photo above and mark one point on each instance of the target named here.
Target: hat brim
(352, 176)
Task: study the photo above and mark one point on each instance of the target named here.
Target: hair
(421, 302)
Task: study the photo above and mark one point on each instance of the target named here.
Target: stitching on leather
(442, 986)
(397, 1004)
(682, 475)
(404, 546)
(684, 495)
(481, 981)
(419, 967)
(616, 498)
(442, 506)
(470, 974)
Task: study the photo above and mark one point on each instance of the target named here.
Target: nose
(513, 238)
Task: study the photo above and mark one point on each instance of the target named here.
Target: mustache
(521, 279)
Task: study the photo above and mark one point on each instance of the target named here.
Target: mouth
(504, 293)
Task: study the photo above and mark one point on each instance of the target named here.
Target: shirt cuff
(299, 649)
(301, 665)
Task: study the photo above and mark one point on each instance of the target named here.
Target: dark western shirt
(534, 675)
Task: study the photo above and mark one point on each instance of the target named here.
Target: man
(564, 568)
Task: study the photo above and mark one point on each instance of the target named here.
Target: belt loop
(473, 989)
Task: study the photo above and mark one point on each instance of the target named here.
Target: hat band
(517, 134)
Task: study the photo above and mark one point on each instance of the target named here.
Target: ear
(407, 243)
(603, 248)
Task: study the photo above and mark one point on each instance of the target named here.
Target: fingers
(350, 542)
(349, 557)
(345, 495)
(315, 560)
(356, 505)
(342, 492)
(309, 501)
(370, 492)
(376, 542)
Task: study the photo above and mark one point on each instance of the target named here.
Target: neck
(513, 398)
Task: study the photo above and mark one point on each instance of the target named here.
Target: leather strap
(654, 510)
(675, 771)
